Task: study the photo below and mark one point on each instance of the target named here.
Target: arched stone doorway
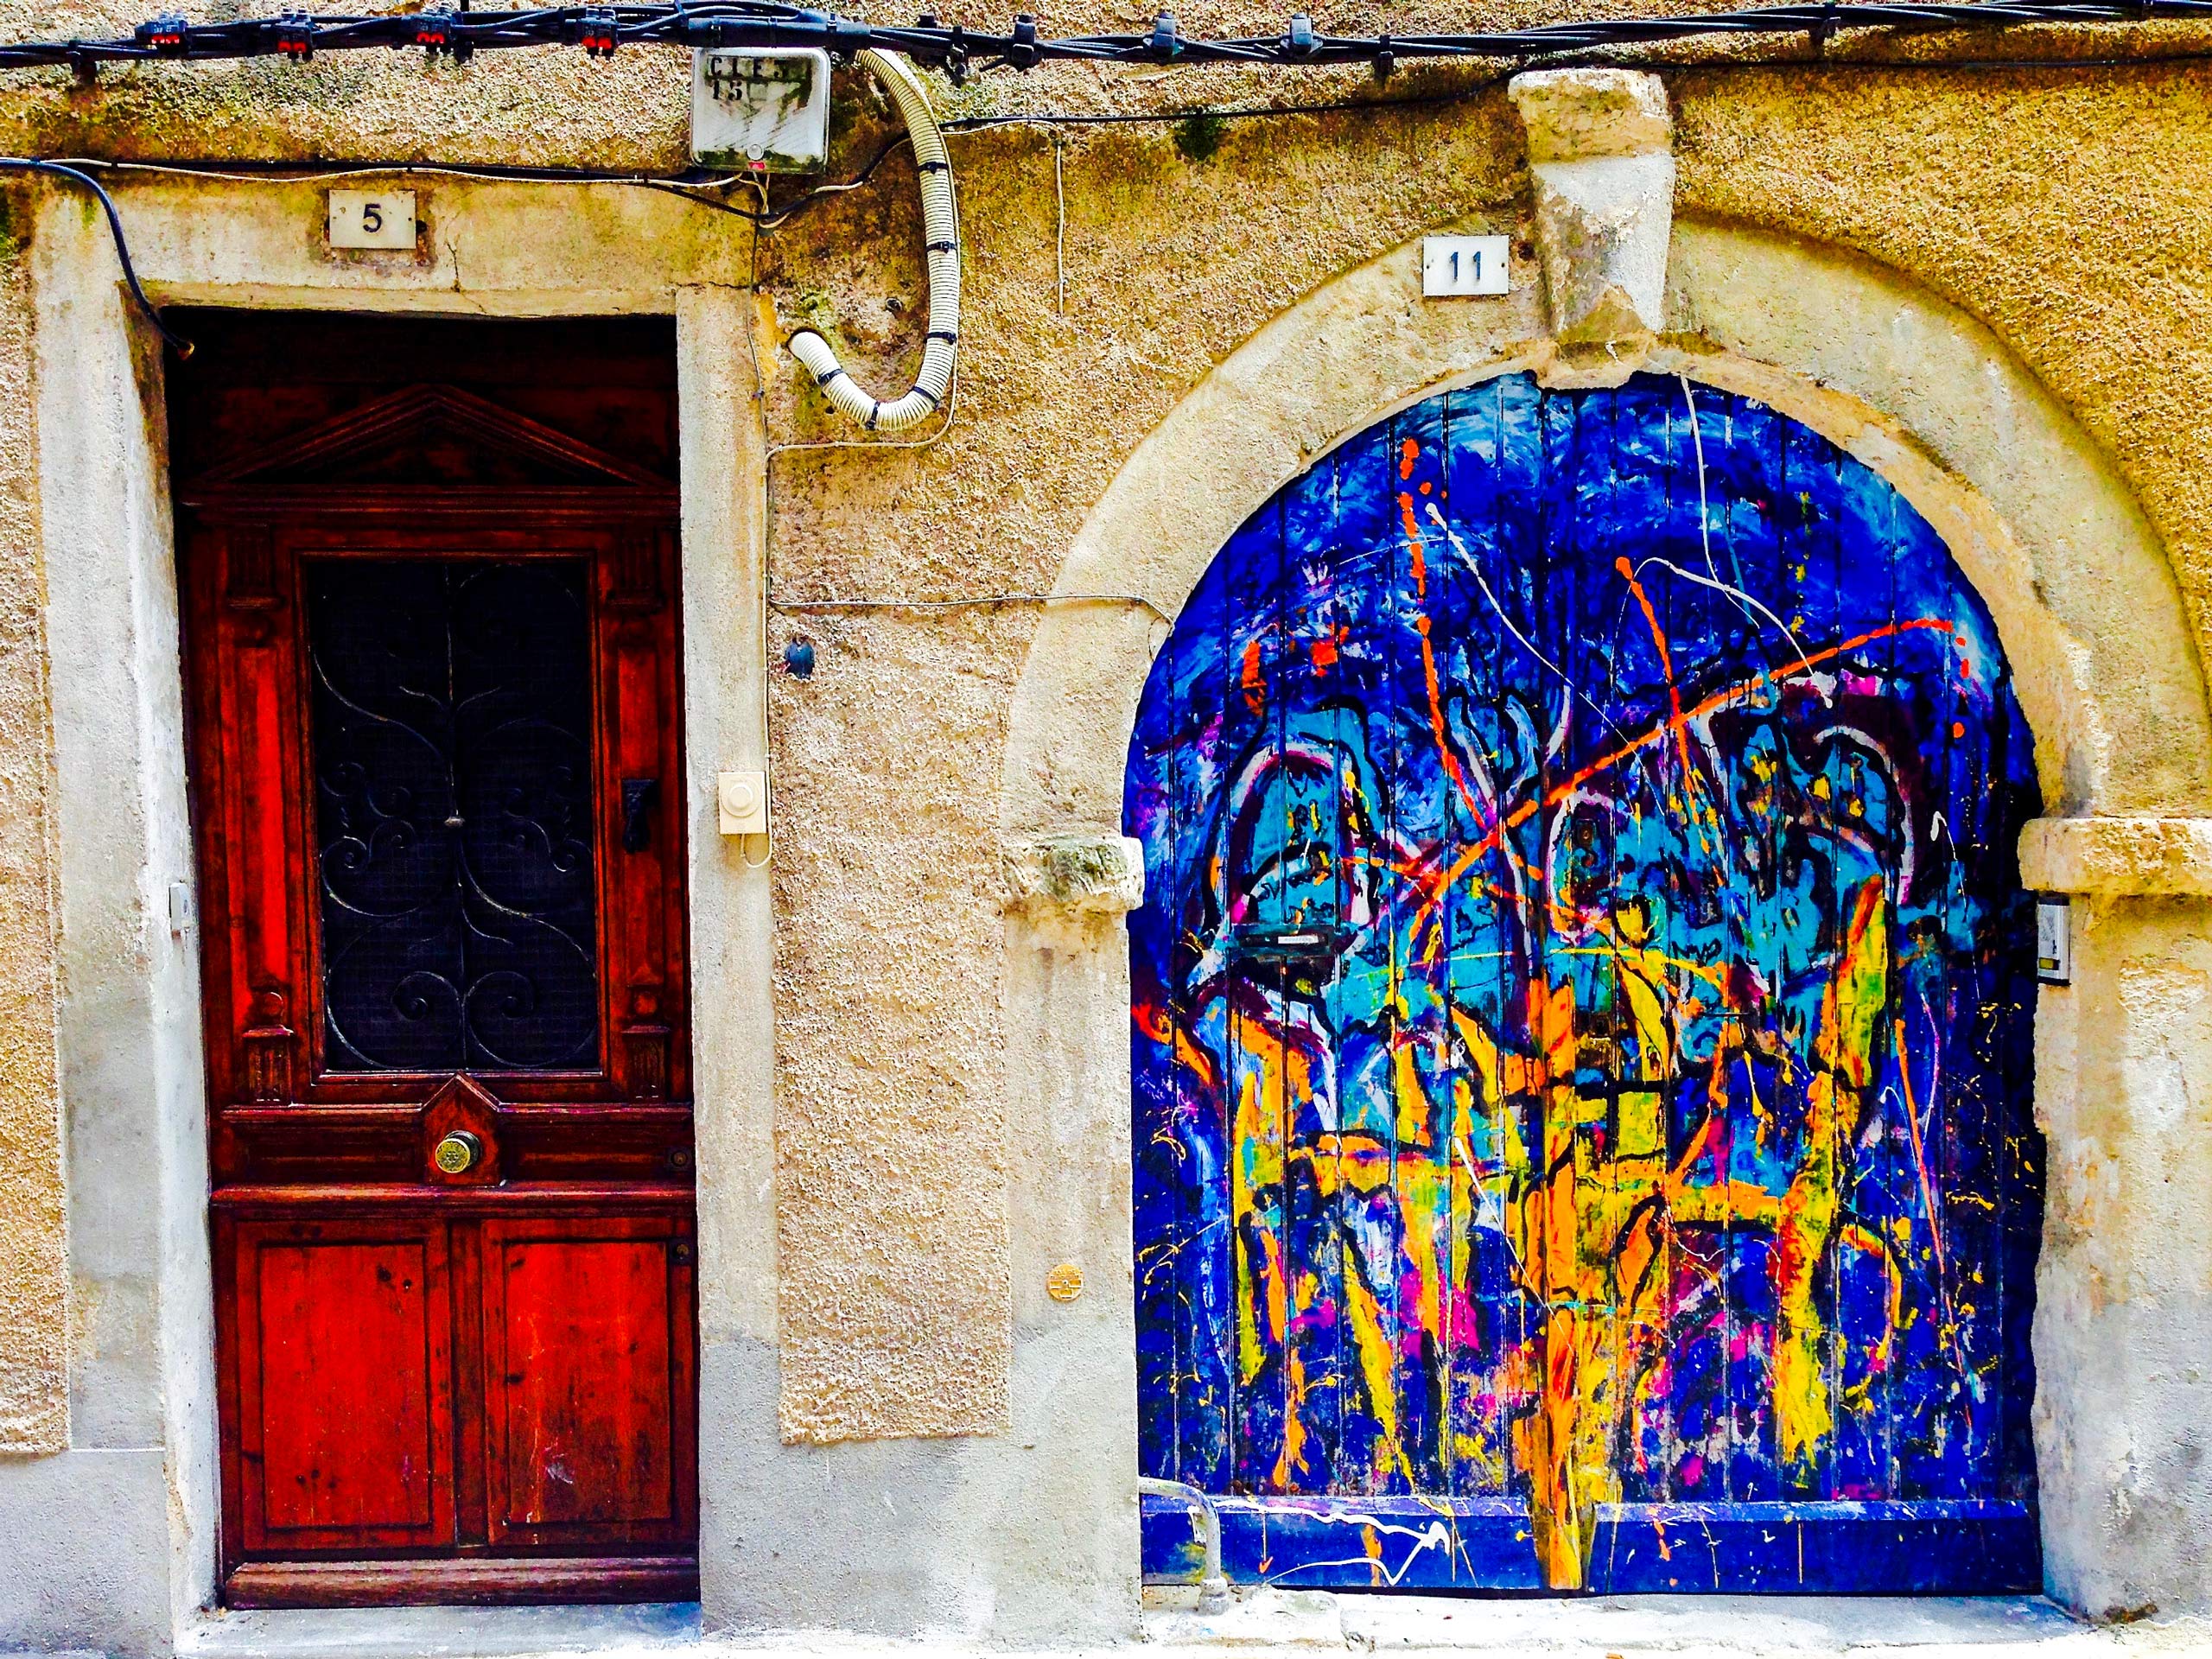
(1585, 1018)
(2042, 525)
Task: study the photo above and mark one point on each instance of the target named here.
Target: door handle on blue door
(638, 797)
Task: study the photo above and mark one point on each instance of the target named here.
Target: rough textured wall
(2127, 1239)
(2064, 206)
(34, 1264)
(2070, 210)
(893, 1137)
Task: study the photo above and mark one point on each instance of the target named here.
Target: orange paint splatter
(1666, 663)
(1444, 754)
(1252, 682)
(1720, 700)
(1415, 546)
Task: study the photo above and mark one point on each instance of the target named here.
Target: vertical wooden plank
(1375, 1225)
(1316, 852)
(1888, 1213)
(1468, 1454)
(1255, 1039)
(1753, 448)
(1368, 531)
(1647, 1025)
(1968, 1298)
(639, 739)
(1435, 780)
(1520, 516)
(1476, 1458)
(1550, 588)
(2010, 760)
(464, 1239)
(1218, 1254)
(258, 658)
(1166, 1319)
(1299, 1026)
(237, 1313)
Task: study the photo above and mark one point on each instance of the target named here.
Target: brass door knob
(458, 1153)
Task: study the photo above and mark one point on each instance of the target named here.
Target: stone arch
(2084, 599)
(2041, 523)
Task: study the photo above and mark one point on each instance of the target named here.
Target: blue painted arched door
(1582, 1025)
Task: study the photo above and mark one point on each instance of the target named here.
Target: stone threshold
(1296, 1623)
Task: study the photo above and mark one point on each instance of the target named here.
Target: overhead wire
(766, 24)
(695, 188)
(439, 31)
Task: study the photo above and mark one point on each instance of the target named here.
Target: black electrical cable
(766, 24)
(1474, 89)
(762, 24)
(698, 187)
(177, 343)
(1230, 112)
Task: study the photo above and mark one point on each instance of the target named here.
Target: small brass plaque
(1064, 1282)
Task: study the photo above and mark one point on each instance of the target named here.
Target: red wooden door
(436, 758)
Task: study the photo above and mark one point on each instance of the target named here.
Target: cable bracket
(169, 35)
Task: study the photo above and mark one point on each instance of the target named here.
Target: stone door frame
(2092, 620)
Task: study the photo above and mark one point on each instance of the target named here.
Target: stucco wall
(1168, 264)
(889, 757)
(917, 1116)
(34, 1256)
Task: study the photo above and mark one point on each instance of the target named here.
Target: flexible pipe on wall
(941, 232)
(1213, 1584)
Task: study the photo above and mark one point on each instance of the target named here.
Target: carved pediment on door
(437, 444)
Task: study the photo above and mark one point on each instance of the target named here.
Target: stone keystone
(1600, 159)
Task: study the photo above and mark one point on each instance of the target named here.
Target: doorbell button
(743, 799)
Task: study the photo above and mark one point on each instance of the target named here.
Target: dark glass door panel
(451, 745)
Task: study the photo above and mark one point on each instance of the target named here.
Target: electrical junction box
(761, 112)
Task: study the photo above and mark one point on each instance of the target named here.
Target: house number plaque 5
(371, 219)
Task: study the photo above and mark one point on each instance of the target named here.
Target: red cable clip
(434, 31)
(294, 36)
(166, 34)
(596, 32)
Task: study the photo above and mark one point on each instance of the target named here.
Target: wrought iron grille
(451, 744)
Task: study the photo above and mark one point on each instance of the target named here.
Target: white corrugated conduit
(941, 231)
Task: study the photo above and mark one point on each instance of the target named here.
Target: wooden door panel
(246, 724)
(258, 785)
(1584, 1010)
(345, 1381)
(432, 657)
(588, 1379)
(643, 803)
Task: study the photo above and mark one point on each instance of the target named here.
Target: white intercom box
(761, 112)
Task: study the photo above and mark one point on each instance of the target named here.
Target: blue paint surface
(1583, 1010)
(1962, 1546)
